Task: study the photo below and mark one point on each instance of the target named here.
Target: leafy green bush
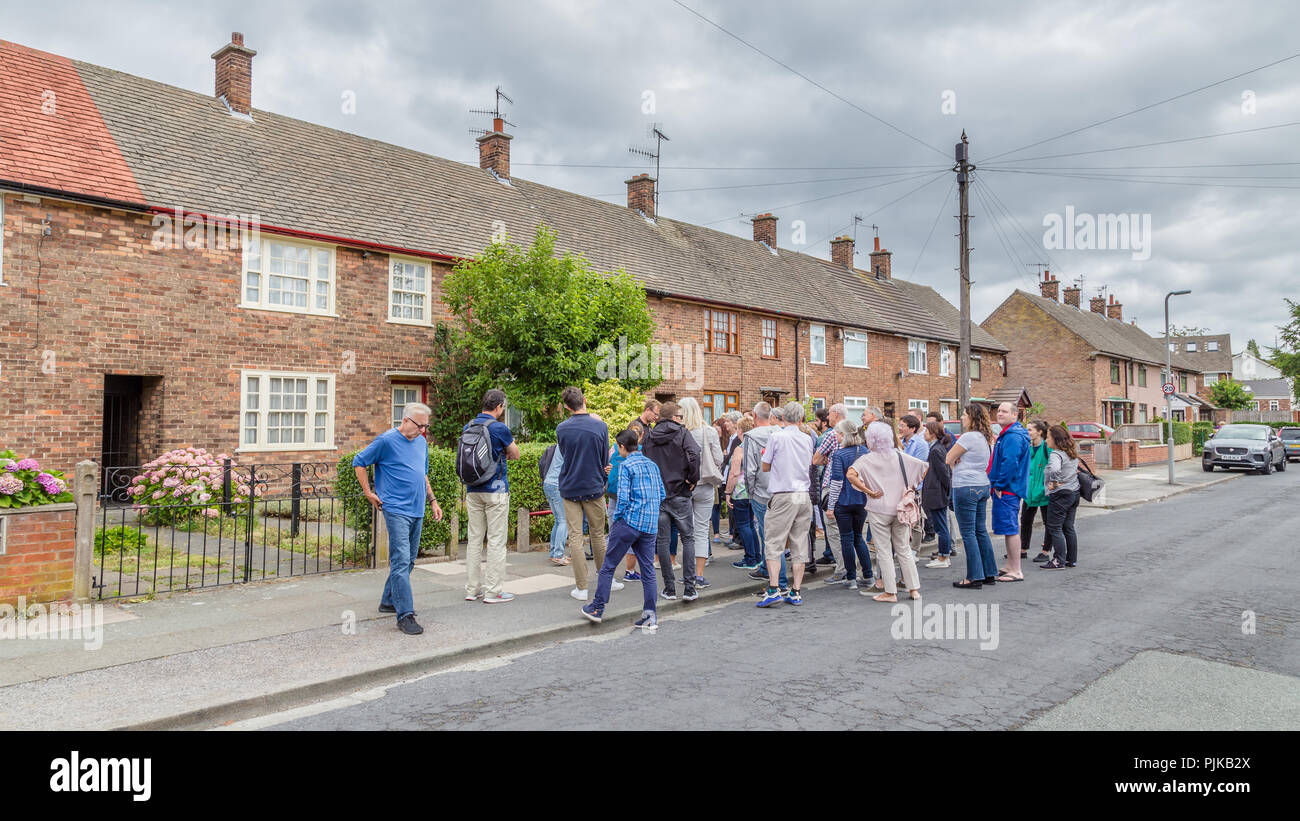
(109, 540)
(446, 487)
(24, 484)
(614, 404)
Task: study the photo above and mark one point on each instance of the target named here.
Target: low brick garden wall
(38, 553)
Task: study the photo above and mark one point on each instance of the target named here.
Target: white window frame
(428, 291)
(976, 358)
(866, 349)
(1273, 404)
(1191, 347)
(816, 332)
(262, 262)
(945, 360)
(924, 352)
(263, 407)
(403, 386)
(923, 405)
(856, 403)
(1210, 379)
(1212, 345)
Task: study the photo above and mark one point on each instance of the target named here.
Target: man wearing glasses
(401, 460)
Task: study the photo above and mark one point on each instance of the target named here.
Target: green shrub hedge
(525, 491)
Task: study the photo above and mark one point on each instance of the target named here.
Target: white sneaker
(613, 585)
(580, 595)
(939, 563)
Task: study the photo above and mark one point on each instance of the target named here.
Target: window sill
(922, 373)
(722, 353)
(268, 449)
(815, 362)
(320, 314)
(417, 323)
(859, 367)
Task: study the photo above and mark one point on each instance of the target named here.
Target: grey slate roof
(1268, 388)
(1112, 337)
(1219, 361)
(186, 150)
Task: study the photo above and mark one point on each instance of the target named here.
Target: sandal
(565, 562)
(885, 597)
(915, 594)
(1007, 577)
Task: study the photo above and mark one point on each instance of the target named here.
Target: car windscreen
(1242, 432)
(1290, 434)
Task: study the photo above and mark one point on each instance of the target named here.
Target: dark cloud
(1020, 73)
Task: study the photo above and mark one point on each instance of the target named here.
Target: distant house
(1212, 354)
(1269, 394)
(1088, 365)
(1246, 365)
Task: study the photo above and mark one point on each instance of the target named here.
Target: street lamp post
(1169, 397)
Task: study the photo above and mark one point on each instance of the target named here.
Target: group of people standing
(876, 491)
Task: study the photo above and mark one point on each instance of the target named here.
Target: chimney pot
(641, 194)
(1115, 310)
(494, 150)
(1050, 287)
(1072, 296)
(880, 261)
(235, 74)
(1098, 305)
(842, 251)
(765, 229)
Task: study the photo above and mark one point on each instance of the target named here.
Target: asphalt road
(1208, 575)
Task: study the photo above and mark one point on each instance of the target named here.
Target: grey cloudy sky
(579, 73)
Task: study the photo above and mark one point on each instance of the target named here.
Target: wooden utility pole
(963, 169)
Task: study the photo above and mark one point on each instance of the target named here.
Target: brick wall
(38, 561)
(110, 303)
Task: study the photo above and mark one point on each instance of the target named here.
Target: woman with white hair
(889, 477)
(711, 477)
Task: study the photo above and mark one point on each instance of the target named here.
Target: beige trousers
(573, 511)
(892, 541)
(489, 517)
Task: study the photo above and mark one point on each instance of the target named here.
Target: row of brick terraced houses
(304, 344)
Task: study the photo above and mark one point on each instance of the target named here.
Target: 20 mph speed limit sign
(1168, 388)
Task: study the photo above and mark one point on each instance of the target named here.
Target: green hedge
(525, 490)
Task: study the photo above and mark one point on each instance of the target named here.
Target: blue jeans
(760, 514)
(743, 523)
(852, 519)
(622, 538)
(403, 546)
(938, 520)
(717, 517)
(971, 504)
(559, 528)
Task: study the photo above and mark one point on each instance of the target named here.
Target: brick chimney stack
(880, 262)
(842, 251)
(1051, 287)
(1072, 296)
(641, 194)
(1115, 310)
(1097, 305)
(494, 150)
(765, 229)
(235, 74)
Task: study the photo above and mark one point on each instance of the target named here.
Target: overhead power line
(933, 225)
(935, 175)
(1145, 107)
(1144, 179)
(1160, 142)
(805, 77)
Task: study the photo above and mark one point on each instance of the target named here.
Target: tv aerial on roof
(494, 112)
(656, 133)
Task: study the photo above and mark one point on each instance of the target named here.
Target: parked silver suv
(1254, 447)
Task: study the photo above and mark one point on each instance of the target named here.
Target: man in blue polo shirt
(487, 508)
(401, 459)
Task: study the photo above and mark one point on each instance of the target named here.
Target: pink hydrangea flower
(9, 485)
(28, 464)
(157, 494)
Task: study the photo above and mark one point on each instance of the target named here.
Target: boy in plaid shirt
(635, 523)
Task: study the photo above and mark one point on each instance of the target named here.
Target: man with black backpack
(485, 445)
(677, 455)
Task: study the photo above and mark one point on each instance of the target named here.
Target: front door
(121, 432)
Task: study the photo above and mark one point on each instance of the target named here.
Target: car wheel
(1208, 468)
(1281, 465)
(1267, 470)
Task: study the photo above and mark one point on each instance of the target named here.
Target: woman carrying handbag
(889, 477)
